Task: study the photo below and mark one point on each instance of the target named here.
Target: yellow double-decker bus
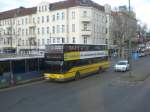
(73, 61)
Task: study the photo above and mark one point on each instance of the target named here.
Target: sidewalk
(19, 79)
(140, 71)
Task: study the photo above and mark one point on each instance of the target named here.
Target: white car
(122, 66)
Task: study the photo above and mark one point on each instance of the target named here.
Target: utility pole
(129, 47)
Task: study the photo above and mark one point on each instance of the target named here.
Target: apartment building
(72, 21)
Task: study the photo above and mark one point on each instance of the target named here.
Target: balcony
(7, 35)
(86, 32)
(8, 26)
(32, 24)
(86, 19)
(32, 35)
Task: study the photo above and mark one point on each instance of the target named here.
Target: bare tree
(119, 30)
(123, 27)
(143, 30)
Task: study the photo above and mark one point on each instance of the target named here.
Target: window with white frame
(73, 27)
(27, 43)
(39, 9)
(45, 8)
(58, 40)
(48, 41)
(23, 42)
(18, 22)
(22, 21)
(19, 42)
(38, 20)
(47, 18)
(22, 31)
(33, 20)
(53, 29)
(58, 28)
(39, 42)
(73, 40)
(43, 42)
(73, 14)
(33, 31)
(106, 30)
(42, 8)
(63, 28)
(4, 41)
(63, 40)
(57, 16)
(18, 32)
(85, 26)
(85, 39)
(53, 18)
(38, 30)
(47, 30)
(54, 40)
(26, 31)
(62, 15)
(42, 19)
(26, 20)
(43, 30)
(84, 13)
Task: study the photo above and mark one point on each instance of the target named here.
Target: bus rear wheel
(77, 75)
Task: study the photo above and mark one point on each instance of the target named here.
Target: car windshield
(122, 63)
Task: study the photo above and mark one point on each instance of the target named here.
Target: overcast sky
(141, 7)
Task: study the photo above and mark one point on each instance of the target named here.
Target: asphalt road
(98, 93)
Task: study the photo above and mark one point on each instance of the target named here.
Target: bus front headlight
(60, 76)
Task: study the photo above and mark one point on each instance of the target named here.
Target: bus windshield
(54, 66)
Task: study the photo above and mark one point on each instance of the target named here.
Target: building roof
(17, 12)
(53, 6)
(72, 3)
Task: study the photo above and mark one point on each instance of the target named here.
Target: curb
(7, 85)
(30, 80)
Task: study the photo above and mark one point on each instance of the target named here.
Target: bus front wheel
(77, 75)
(101, 70)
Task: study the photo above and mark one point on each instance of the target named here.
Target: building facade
(72, 21)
